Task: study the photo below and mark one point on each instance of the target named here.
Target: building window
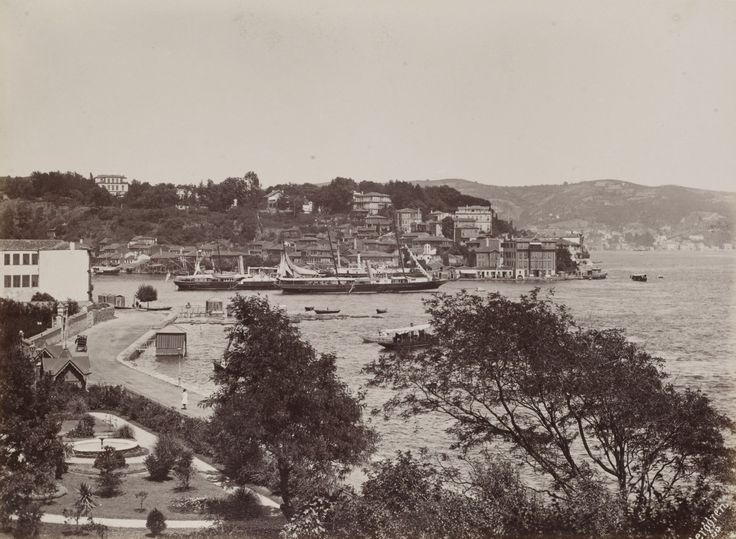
(34, 281)
(7, 259)
(16, 259)
(34, 259)
(26, 281)
(26, 259)
(8, 281)
(16, 281)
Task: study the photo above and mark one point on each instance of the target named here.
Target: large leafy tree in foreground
(279, 400)
(29, 447)
(575, 405)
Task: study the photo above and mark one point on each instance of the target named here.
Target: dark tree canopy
(568, 402)
(29, 426)
(146, 293)
(278, 398)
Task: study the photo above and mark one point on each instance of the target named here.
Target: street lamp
(178, 355)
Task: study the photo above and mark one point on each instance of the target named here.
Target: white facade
(114, 184)
(482, 215)
(370, 202)
(30, 266)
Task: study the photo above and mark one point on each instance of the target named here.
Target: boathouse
(171, 341)
(116, 300)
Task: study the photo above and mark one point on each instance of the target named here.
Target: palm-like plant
(85, 502)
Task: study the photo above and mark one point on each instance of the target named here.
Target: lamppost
(61, 311)
(178, 356)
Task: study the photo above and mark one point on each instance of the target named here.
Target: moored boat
(640, 277)
(413, 336)
(106, 270)
(293, 279)
(256, 278)
(327, 311)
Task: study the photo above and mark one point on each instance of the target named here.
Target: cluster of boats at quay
(293, 279)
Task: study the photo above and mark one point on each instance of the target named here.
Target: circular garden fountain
(91, 447)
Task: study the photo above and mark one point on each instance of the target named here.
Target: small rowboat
(308, 308)
(381, 311)
(326, 311)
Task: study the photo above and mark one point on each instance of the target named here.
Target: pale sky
(506, 93)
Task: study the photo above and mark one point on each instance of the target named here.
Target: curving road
(108, 339)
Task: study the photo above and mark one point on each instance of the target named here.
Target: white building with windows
(55, 267)
(481, 215)
(370, 202)
(113, 183)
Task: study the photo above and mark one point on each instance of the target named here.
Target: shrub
(108, 462)
(165, 454)
(124, 431)
(240, 505)
(84, 429)
(156, 522)
(190, 505)
(183, 468)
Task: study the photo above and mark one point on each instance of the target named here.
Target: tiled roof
(61, 357)
(33, 245)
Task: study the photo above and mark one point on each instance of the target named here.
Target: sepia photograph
(340, 269)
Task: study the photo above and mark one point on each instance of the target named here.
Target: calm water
(688, 318)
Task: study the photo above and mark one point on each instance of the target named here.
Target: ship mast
(334, 261)
(398, 244)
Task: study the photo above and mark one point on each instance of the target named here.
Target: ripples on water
(687, 318)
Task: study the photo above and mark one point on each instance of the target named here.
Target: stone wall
(76, 324)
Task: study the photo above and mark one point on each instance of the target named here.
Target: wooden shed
(171, 341)
(116, 300)
(214, 306)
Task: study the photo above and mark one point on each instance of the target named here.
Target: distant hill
(607, 204)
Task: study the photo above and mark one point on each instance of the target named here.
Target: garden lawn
(124, 505)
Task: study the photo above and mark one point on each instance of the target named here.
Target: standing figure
(184, 399)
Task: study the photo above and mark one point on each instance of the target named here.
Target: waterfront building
(55, 267)
(481, 215)
(114, 184)
(370, 202)
(531, 257)
(407, 218)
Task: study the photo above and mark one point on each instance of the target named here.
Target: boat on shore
(141, 308)
(639, 277)
(410, 337)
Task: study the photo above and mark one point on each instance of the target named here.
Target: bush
(190, 505)
(84, 429)
(156, 522)
(124, 432)
(108, 462)
(240, 505)
(166, 452)
(183, 468)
